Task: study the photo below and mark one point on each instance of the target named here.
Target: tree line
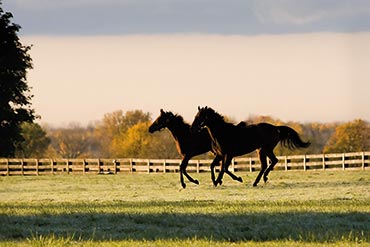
(125, 135)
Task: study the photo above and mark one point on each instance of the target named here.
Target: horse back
(251, 137)
(237, 140)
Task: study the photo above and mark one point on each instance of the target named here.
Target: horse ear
(162, 111)
(198, 108)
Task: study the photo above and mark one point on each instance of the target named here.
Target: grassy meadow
(295, 208)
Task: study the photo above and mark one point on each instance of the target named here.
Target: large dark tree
(15, 97)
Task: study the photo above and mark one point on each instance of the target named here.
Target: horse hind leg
(225, 169)
(232, 175)
(274, 161)
(262, 157)
(182, 182)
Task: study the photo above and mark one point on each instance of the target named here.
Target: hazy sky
(294, 60)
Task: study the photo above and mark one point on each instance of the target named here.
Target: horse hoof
(265, 179)
(196, 182)
(240, 179)
(254, 185)
(183, 185)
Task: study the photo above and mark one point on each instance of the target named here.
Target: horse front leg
(184, 164)
(219, 177)
(215, 161)
(224, 166)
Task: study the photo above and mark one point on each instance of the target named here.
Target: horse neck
(179, 131)
(216, 129)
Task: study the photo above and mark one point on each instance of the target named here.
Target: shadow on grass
(299, 226)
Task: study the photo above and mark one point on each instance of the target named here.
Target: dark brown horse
(234, 140)
(189, 144)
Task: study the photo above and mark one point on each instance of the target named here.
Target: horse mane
(179, 119)
(215, 114)
(218, 116)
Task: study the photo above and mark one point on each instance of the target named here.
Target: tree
(318, 134)
(133, 143)
(137, 142)
(35, 143)
(115, 125)
(15, 97)
(350, 137)
(72, 142)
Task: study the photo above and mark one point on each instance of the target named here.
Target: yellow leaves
(133, 142)
(350, 137)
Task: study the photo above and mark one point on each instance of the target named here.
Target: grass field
(296, 208)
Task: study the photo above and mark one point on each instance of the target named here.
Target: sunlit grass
(293, 209)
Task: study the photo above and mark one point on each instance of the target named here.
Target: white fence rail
(24, 167)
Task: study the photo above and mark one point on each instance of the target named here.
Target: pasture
(295, 208)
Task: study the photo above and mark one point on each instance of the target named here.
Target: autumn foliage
(125, 134)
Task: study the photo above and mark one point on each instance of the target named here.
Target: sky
(305, 61)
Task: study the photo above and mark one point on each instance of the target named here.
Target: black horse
(189, 144)
(234, 140)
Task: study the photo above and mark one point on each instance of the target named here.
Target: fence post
(148, 166)
(343, 161)
(131, 166)
(22, 167)
(250, 164)
(52, 166)
(198, 166)
(363, 160)
(115, 166)
(37, 167)
(304, 163)
(164, 166)
(83, 166)
(286, 163)
(323, 162)
(233, 165)
(67, 166)
(98, 160)
(7, 167)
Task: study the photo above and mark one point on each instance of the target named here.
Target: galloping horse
(188, 143)
(234, 140)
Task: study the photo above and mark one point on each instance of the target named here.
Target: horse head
(201, 119)
(162, 121)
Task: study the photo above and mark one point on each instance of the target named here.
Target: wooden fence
(24, 167)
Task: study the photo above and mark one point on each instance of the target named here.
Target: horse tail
(290, 138)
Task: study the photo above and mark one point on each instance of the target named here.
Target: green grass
(326, 208)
